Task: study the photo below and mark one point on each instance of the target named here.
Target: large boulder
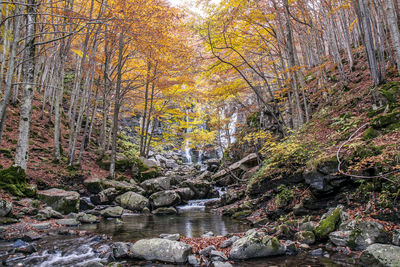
(185, 193)
(329, 222)
(161, 250)
(104, 197)
(96, 185)
(112, 212)
(224, 178)
(5, 208)
(60, 200)
(150, 162)
(165, 198)
(256, 245)
(133, 201)
(201, 188)
(381, 255)
(93, 185)
(359, 234)
(156, 184)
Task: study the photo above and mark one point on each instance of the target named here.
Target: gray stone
(381, 255)
(68, 222)
(106, 196)
(227, 243)
(317, 252)
(396, 237)
(216, 255)
(41, 226)
(48, 213)
(162, 250)
(87, 218)
(172, 237)
(185, 193)
(200, 188)
(156, 185)
(329, 222)
(208, 234)
(254, 246)
(306, 237)
(60, 200)
(93, 185)
(308, 226)
(165, 211)
(165, 198)
(220, 264)
(31, 236)
(5, 208)
(85, 204)
(112, 212)
(133, 201)
(207, 250)
(192, 260)
(121, 250)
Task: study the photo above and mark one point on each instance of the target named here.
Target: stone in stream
(133, 201)
(156, 184)
(48, 213)
(220, 264)
(31, 236)
(256, 245)
(216, 255)
(161, 250)
(165, 198)
(381, 255)
(208, 234)
(165, 211)
(200, 188)
(60, 200)
(85, 205)
(87, 218)
(112, 212)
(41, 226)
(5, 208)
(68, 222)
(192, 260)
(93, 185)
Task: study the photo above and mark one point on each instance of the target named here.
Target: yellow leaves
(200, 138)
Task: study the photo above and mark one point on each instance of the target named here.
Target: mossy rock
(328, 224)
(242, 214)
(370, 133)
(13, 180)
(391, 91)
(148, 174)
(386, 120)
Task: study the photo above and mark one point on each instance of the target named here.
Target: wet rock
(162, 250)
(185, 193)
(94, 263)
(216, 255)
(256, 245)
(5, 208)
(329, 222)
(200, 188)
(106, 196)
(359, 234)
(291, 248)
(28, 249)
(60, 200)
(48, 213)
(31, 236)
(207, 250)
(172, 237)
(165, 198)
(41, 226)
(306, 237)
(121, 250)
(165, 211)
(133, 201)
(227, 243)
(8, 220)
(112, 212)
(304, 246)
(396, 237)
(156, 185)
(19, 243)
(68, 222)
(87, 218)
(381, 255)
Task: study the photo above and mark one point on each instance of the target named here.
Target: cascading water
(229, 136)
(187, 147)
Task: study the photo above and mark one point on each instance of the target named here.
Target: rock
(60, 200)
(208, 234)
(206, 175)
(172, 237)
(192, 260)
(67, 222)
(106, 196)
(291, 248)
(299, 210)
(31, 236)
(317, 252)
(185, 193)
(149, 162)
(28, 249)
(200, 188)
(165, 211)
(122, 186)
(85, 204)
(93, 185)
(121, 250)
(48, 213)
(165, 198)
(162, 250)
(255, 245)
(8, 220)
(308, 226)
(5, 208)
(359, 234)
(396, 237)
(227, 243)
(87, 218)
(156, 185)
(41, 226)
(112, 212)
(220, 264)
(207, 250)
(306, 237)
(304, 246)
(216, 255)
(328, 223)
(223, 178)
(381, 255)
(93, 263)
(231, 196)
(133, 201)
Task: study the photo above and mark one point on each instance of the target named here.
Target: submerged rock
(60, 200)
(255, 245)
(133, 201)
(381, 255)
(161, 249)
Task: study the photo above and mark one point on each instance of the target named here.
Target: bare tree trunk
(394, 30)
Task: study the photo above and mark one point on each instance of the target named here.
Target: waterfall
(187, 147)
(231, 128)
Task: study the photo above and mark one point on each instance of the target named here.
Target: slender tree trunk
(394, 30)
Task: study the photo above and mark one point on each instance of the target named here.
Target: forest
(200, 133)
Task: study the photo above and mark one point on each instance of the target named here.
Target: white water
(200, 204)
(187, 147)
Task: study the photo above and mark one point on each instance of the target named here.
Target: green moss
(383, 121)
(328, 225)
(13, 180)
(364, 151)
(284, 197)
(6, 152)
(369, 134)
(391, 91)
(275, 243)
(241, 214)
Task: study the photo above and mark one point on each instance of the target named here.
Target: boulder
(216, 255)
(87, 218)
(133, 201)
(112, 212)
(165, 198)
(84, 204)
(308, 226)
(306, 237)
(5, 208)
(220, 264)
(150, 162)
(60, 200)
(68, 222)
(256, 245)
(48, 213)
(122, 186)
(329, 222)
(231, 196)
(359, 234)
(156, 184)
(106, 196)
(207, 250)
(185, 193)
(200, 188)
(165, 211)
(396, 237)
(161, 250)
(381, 255)
(93, 185)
